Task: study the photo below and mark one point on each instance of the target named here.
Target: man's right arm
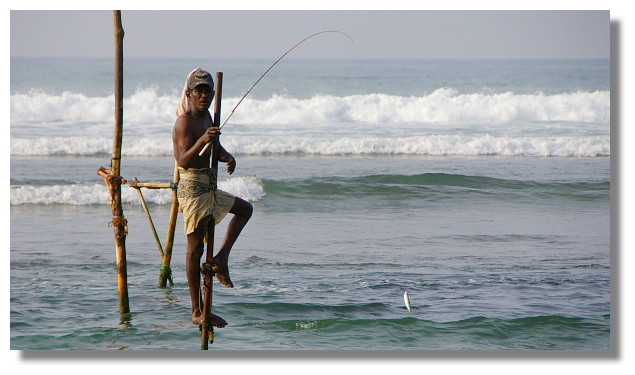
(184, 144)
(186, 148)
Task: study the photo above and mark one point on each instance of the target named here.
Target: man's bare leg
(195, 248)
(242, 211)
(193, 270)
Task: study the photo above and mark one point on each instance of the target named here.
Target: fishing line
(267, 71)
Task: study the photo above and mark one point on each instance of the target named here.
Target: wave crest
(444, 105)
(249, 188)
(431, 145)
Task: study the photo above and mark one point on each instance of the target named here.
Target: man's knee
(249, 210)
(242, 208)
(195, 250)
(195, 244)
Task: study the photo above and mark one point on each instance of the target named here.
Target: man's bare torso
(193, 128)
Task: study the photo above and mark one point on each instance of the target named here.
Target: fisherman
(203, 205)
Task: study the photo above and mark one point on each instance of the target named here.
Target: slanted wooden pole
(207, 331)
(119, 222)
(166, 272)
(147, 211)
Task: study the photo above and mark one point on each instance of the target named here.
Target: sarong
(199, 199)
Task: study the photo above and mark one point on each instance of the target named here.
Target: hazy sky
(267, 34)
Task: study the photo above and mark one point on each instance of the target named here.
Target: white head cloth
(184, 104)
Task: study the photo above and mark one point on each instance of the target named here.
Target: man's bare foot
(213, 319)
(222, 272)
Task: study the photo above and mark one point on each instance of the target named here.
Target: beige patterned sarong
(199, 199)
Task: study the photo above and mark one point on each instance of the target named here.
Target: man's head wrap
(184, 104)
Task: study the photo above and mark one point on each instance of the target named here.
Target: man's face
(201, 97)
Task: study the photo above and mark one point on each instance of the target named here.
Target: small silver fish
(406, 300)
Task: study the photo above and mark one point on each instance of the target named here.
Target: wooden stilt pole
(114, 180)
(207, 331)
(166, 271)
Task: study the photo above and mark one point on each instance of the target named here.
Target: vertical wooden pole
(119, 33)
(207, 332)
(166, 271)
(119, 221)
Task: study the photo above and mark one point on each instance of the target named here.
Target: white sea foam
(247, 187)
(444, 122)
(435, 145)
(468, 145)
(444, 105)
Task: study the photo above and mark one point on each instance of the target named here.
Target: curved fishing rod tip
(339, 32)
(268, 69)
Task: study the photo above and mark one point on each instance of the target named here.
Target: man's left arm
(228, 158)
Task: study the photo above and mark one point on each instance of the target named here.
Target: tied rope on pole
(267, 71)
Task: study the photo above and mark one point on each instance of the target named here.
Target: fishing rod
(267, 71)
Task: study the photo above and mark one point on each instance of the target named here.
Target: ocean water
(481, 188)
